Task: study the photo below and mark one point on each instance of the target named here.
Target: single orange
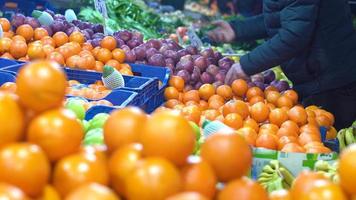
(113, 63)
(298, 115)
(243, 188)
(206, 91)
(224, 91)
(60, 38)
(272, 97)
(25, 31)
(238, 107)
(291, 94)
(239, 87)
(36, 52)
(252, 124)
(48, 40)
(249, 134)
(77, 37)
(268, 141)
(39, 33)
(286, 132)
(282, 141)
(192, 113)
(103, 55)
(256, 99)
(18, 49)
(254, 91)
(171, 93)
(233, 120)
(192, 95)
(57, 57)
(5, 44)
(284, 101)
(119, 55)
(108, 42)
(346, 170)
(18, 37)
(259, 112)
(278, 116)
(5, 24)
(211, 114)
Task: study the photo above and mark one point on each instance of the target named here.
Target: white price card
(194, 39)
(100, 6)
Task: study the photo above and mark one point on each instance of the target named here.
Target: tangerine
(268, 141)
(39, 33)
(254, 91)
(278, 116)
(243, 189)
(119, 55)
(60, 38)
(233, 120)
(239, 87)
(171, 93)
(18, 49)
(5, 24)
(77, 37)
(192, 95)
(259, 112)
(298, 115)
(224, 91)
(25, 31)
(206, 91)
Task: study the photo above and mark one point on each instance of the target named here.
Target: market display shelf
(144, 87)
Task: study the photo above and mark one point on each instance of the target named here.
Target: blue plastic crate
(6, 77)
(6, 62)
(144, 87)
(331, 144)
(91, 112)
(163, 74)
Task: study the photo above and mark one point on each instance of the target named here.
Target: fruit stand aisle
(87, 115)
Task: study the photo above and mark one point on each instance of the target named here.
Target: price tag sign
(194, 39)
(100, 6)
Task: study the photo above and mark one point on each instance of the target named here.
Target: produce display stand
(147, 86)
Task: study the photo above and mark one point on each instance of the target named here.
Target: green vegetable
(94, 137)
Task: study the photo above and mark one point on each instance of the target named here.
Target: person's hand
(223, 33)
(235, 72)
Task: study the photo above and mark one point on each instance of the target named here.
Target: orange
(233, 120)
(12, 128)
(293, 148)
(171, 103)
(192, 95)
(127, 72)
(119, 55)
(346, 170)
(211, 114)
(5, 44)
(124, 127)
(25, 166)
(25, 31)
(187, 196)
(8, 87)
(60, 38)
(280, 195)
(272, 97)
(291, 94)
(192, 113)
(7, 56)
(161, 137)
(239, 87)
(206, 91)
(259, 112)
(252, 124)
(92, 191)
(39, 33)
(18, 37)
(86, 62)
(48, 49)
(225, 92)
(18, 49)
(8, 34)
(167, 180)
(199, 177)
(215, 105)
(113, 63)
(270, 89)
(203, 105)
(216, 97)
(286, 132)
(249, 134)
(11, 192)
(220, 150)
(323, 120)
(298, 115)
(331, 133)
(41, 85)
(243, 189)
(238, 107)
(108, 42)
(268, 141)
(77, 37)
(254, 91)
(5, 24)
(57, 57)
(104, 55)
(284, 101)
(326, 190)
(171, 93)
(48, 40)
(271, 127)
(122, 162)
(54, 129)
(99, 66)
(256, 99)
(286, 140)
(87, 46)
(291, 125)
(73, 61)
(36, 52)
(278, 116)
(69, 174)
(305, 138)
(304, 182)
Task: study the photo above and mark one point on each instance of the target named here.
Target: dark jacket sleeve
(252, 28)
(298, 21)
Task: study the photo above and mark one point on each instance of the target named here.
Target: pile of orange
(267, 119)
(27, 44)
(143, 157)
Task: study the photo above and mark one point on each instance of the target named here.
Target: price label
(194, 39)
(100, 6)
